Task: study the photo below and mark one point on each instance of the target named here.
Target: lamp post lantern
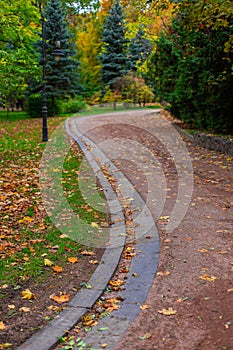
(57, 53)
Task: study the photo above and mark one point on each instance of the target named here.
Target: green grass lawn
(27, 234)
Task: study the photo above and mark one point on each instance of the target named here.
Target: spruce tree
(61, 75)
(114, 56)
(139, 50)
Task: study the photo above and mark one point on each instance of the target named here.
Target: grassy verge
(28, 237)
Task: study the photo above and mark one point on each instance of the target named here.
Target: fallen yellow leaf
(24, 309)
(208, 278)
(167, 312)
(116, 284)
(11, 306)
(5, 345)
(86, 252)
(2, 326)
(129, 253)
(27, 294)
(93, 262)
(48, 262)
(89, 320)
(165, 273)
(203, 251)
(164, 217)
(110, 304)
(26, 219)
(144, 307)
(73, 260)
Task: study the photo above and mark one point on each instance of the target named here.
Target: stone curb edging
(215, 143)
(143, 266)
(48, 337)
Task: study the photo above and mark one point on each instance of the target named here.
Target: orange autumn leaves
(61, 298)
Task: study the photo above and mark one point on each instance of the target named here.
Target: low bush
(73, 105)
(34, 106)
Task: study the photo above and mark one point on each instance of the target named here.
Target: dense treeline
(193, 64)
(130, 51)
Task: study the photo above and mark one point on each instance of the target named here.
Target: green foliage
(18, 21)
(133, 89)
(114, 57)
(73, 105)
(194, 74)
(139, 50)
(34, 106)
(89, 47)
(61, 75)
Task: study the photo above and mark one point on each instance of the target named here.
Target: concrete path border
(144, 265)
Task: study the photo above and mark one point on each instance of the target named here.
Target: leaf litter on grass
(31, 247)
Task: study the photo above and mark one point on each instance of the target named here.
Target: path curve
(136, 290)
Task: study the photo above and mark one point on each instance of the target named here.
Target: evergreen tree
(139, 50)
(114, 57)
(61, 75)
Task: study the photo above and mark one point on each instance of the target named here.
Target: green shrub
(34, 106)
(73, 105)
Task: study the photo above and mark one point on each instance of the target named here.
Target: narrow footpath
(178, 290)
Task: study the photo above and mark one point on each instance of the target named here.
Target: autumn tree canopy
(186, 57)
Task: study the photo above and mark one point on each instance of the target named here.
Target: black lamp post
(57, 54)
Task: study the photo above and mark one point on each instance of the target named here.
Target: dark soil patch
(20, 325)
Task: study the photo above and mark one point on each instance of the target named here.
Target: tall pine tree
(139, 50)
(61, 75)
(114, 56)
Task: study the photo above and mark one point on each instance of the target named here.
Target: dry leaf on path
(73, 260)
(24, 309)
(2, 326)
(63, 298)
(208, 278)
(144, 307)
(165, 273)
(93, 262)
(86, 252)
(57, 269)
(146, 336)
(167, 312)
(110, 304)
(116, 284)
(89, 320)
(27, 294)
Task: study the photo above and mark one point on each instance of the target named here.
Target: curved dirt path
(190, 303)
(188, 191)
